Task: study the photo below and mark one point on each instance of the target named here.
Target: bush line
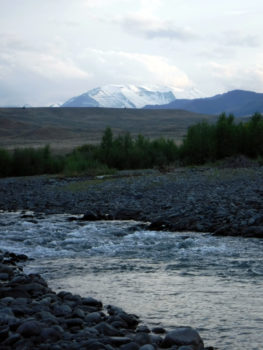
(204, 142)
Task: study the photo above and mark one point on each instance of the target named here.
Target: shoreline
(213, 200)
(32, 316)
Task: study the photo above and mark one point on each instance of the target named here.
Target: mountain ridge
(121, 96)
(238, 102)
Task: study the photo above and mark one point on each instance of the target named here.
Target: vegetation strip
(203, 143)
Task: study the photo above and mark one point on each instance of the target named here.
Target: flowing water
(213, 284)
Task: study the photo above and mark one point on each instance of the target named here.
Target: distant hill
(121, 96)
(238, 102)
(65, 128)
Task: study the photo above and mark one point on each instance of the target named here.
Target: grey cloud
(216, 52)
(152, 29)
(235, 38)
(10, 42)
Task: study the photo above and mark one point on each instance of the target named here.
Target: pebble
(198, 199)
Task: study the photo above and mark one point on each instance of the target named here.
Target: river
(213, 284)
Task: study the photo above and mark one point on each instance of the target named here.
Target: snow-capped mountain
(122, 96)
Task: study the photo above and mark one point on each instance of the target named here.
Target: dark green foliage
(206, 142)
(29, 161)
(123, 152)
(83, 160)
(5, 163)
(225, 136)
(34, 161)
(199, 144)
(203, 143)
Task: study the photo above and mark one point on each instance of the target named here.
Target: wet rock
(142, 338)
(47, 318)
(184, 336)
(158, 330)
(74, 322)
(92, 302)
(6, 270)
(6, 316)
(118, 341)
(11, 340)
(94, 345)
(90, 216)
(156, 339)
(30, 328)
(143, 329)
(4, 276)
(119, 315)
(130, 346)
(127, 214)
(253, 231)
(61, 310)
(16, 292)
(106, 329)
(94, 317)
(78, 313)
(160, 224)
(147, 347)
(51, 334)
(4, 332)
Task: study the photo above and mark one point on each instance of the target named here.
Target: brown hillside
(64, 128)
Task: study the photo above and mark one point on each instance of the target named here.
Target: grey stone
(77, 312)
(156, 339)
(147, 347)
(143, 338)
(92, 302)
(158, 330)
(48, 318)
(30, 328)
(143, 329)
(106, 329)
(94, 345)
(62, 310)
(94, 317)
(118, 341)
(51, 334)
(4, 276)
(130, 346)
(6, 269)
(7, 316)
(74, 322)
(4, 332)
(184, 336)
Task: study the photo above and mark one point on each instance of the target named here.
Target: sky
(52, 50)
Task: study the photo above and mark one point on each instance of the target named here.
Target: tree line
(204, 142)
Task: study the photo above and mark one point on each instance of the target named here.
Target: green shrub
(5, 163)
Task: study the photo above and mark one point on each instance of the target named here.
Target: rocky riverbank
(32, 316)
(223, 201)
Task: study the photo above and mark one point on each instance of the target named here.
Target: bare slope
(64, 128)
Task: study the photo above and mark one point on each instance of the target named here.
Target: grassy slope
(64, 128)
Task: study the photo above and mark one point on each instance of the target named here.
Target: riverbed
(213, 284)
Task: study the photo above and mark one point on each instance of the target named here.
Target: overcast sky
(51, 50)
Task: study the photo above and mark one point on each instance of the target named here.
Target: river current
(213, 284)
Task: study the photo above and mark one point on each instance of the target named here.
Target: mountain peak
(122, 96)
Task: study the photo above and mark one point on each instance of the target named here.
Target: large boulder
(183, 336)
